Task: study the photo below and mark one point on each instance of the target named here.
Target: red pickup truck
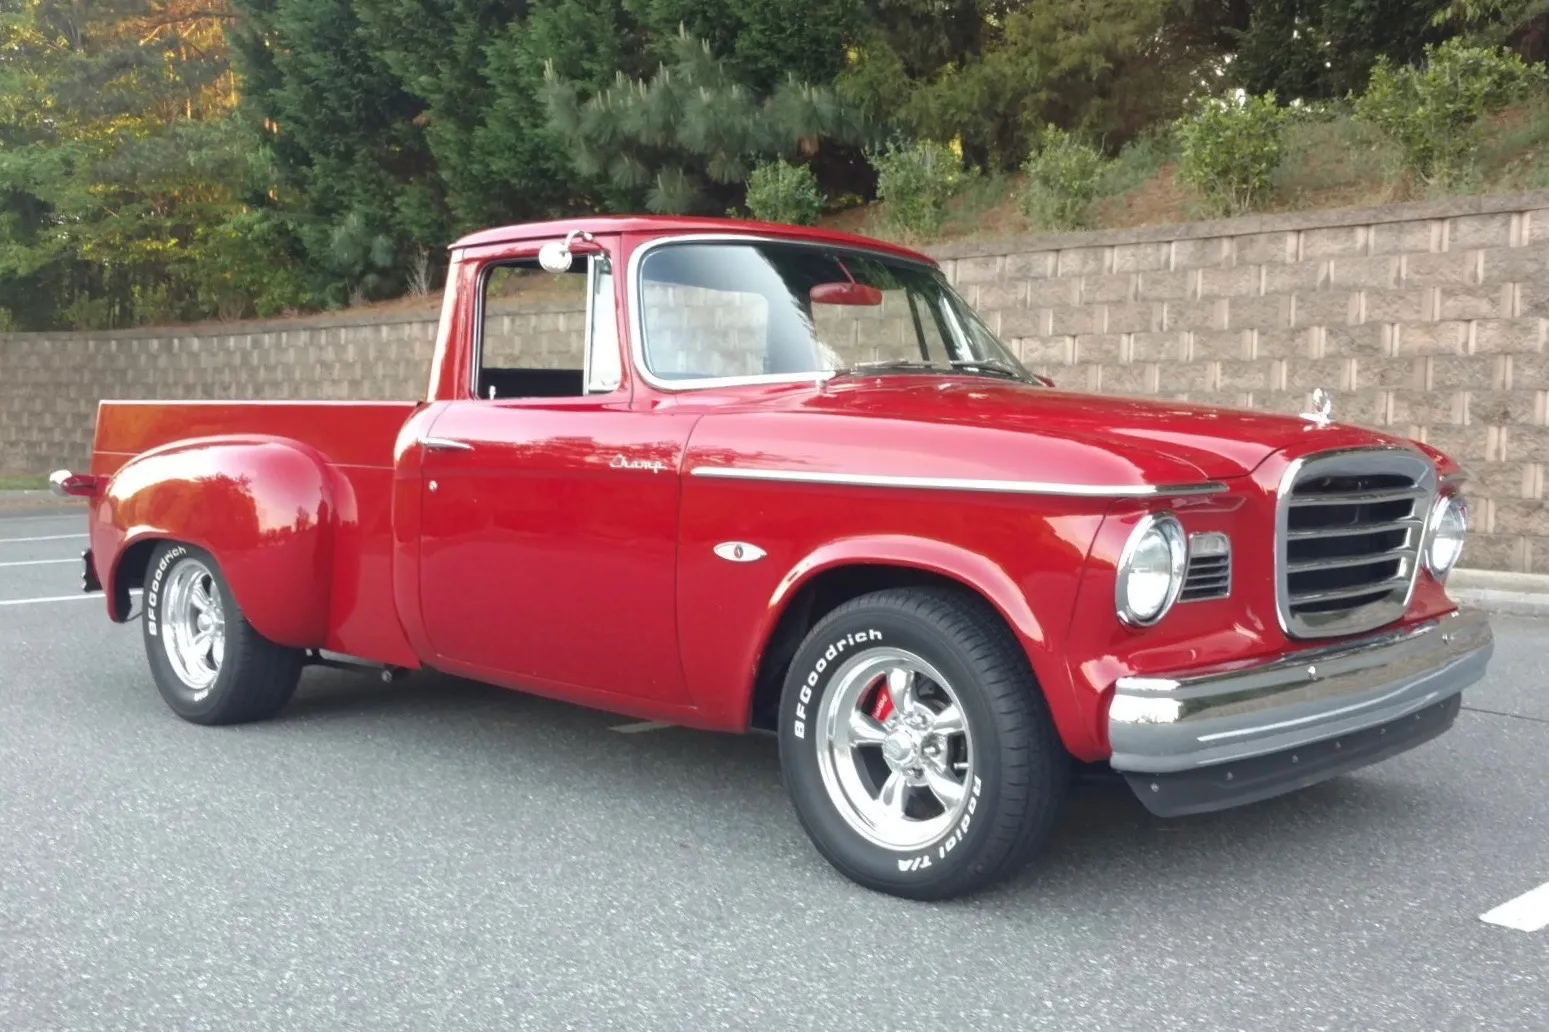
(787, 480)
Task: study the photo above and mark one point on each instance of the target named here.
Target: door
(550, 519)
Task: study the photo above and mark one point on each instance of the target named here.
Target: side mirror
(554, 256)
(846, 294)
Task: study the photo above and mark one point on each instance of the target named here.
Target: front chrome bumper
(1241, 712)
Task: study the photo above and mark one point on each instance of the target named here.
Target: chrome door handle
(444, 444)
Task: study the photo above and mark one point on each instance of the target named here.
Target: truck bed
(354, 439)
(347, 433)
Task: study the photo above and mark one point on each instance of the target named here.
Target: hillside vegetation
(1327, 163)
(167, 161)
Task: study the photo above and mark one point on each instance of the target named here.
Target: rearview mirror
(846, 294)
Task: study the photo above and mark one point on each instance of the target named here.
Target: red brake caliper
(883, 707)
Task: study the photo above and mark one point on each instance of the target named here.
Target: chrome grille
(1348, 542)
(1209, 573)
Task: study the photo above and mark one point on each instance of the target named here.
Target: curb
(1511, 594)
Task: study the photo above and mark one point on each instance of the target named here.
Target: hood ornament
(1322, 413)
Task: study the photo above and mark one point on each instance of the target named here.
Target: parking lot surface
(434, 854)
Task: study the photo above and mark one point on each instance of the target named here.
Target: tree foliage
(685, 139)
(114, 157)
(1229, 149)
(1433, 112)
(1064, 179)
(914, 183)
(1521, 25)
(178, 159)
(781, 192)
(1319, 49)
(1105, 67)
(354, 170)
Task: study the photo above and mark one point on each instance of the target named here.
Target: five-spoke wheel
(916, 745)
(211, 666)
(894, 749)
(193, 625)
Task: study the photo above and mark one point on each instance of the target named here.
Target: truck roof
(667, 225)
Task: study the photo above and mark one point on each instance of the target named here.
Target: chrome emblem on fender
(625, 462)
(739, 552)
(1322, 413)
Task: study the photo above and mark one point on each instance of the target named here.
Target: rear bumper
(1209, 724)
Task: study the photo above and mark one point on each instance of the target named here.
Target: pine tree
(354, 169)
(449, 54)
(686, 139)
(764, 42)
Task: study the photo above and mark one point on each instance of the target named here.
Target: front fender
(1037, 634)
(971, 569)
(264, 507)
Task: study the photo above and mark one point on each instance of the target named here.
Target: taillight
(78, 485)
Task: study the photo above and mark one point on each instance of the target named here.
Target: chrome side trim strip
(1026, 487)
(444, 444)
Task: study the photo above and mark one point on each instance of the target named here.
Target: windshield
(757, 309)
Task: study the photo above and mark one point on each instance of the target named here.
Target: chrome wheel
(894, 749)
(193, 625)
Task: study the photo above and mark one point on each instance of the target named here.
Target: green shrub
(1064, 176)
(1433, 113)
(1229, 149)
(781, 192)
(914, 183)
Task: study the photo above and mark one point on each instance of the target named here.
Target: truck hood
(1218, 443)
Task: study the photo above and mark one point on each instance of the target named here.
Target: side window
(529, 350)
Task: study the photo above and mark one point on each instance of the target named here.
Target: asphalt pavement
(439, 855)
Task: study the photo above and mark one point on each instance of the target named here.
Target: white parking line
(43, 562)
(59, 598)
(644, 725)
(8, 521)
(1529, 912)
(50, 598)
(50, 537)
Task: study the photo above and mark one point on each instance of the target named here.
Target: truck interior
(513, 365)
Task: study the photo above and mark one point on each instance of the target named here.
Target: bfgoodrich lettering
(833, 652)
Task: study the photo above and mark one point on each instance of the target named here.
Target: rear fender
(264, 507)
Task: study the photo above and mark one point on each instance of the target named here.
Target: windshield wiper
(970, 364)
(896, 363)
(989, 366)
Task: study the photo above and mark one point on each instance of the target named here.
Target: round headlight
(1448, 527)
(1150, 570)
